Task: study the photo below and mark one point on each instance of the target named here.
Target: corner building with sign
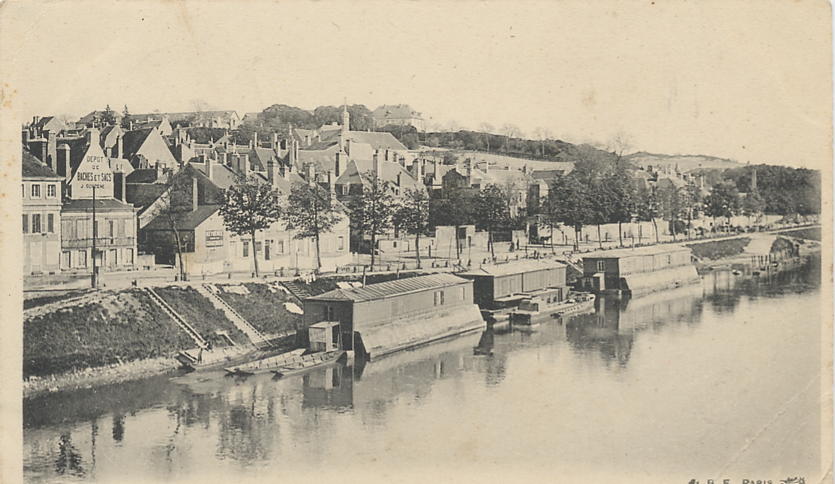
(90, 175)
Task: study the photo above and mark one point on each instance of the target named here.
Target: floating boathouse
(638, 270)
(506, 285)
(378, 319)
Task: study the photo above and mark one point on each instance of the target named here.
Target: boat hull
(530, 318)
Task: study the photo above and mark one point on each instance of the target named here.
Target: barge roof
(390, 288)
(510, 268)
(637, 251)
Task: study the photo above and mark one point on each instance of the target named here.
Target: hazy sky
(748, 80)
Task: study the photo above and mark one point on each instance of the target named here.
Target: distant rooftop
(513, 268)
(646, 250)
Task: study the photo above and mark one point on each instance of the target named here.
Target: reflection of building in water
(245, 431)
(411, 374)
(724, 289)
(329, 388)
(613, 329)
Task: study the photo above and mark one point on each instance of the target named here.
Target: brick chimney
(273, 173)
(63, 165)
(195, 202)
(119, 146)
(339, 163)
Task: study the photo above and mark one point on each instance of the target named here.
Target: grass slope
(262, 307)
(720, 249)
(97, 334)
(199, 312)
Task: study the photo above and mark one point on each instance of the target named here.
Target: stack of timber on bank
(390, 316)
(638, 270)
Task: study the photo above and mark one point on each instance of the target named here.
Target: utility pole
(93, 278)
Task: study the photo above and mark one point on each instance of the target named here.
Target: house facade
(41, 197)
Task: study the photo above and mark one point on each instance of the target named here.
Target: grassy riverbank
(127, 326)
(720, 249)
(199, 312)
(263, 305)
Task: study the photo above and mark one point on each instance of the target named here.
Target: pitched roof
(185, 220)
(142, 175)
(50, 123)
(109, 135)
(356, 170)
(513, 268)
(132, 141)
(33, 168)
(391, 288)
(102, 204)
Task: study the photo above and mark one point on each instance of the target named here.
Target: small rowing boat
(318, 360)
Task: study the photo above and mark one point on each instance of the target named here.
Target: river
(718, 380)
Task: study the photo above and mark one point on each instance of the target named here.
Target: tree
(175, 202)
(491, 210)
(412, 216)
(310, 212)
(568, 204)
(126, 118)
(249, 207)
(648, 207)
(451, 207)
(622, 198)
(723, 200)
(372, 210)
(600, 205)
(108, 116)
(752, 204)
(541, 135)
(487, 129)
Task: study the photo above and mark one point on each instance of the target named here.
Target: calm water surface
(717, 380)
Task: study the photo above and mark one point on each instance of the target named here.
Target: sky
(745, 80)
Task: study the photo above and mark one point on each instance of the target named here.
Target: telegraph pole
(93, 278)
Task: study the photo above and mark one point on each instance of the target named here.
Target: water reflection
(204, 421)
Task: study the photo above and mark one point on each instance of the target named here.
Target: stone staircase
(209, 291)
(298, 291)
(181, 322)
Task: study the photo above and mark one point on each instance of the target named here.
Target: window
(36, 223)
(23, 186)
(129, 256)
(82, 258)
(51, 192)
(601, 266)
(65, 259)
(266, 250)
(110, 231)
(258, 247)
(439, 298)
(36, 190)
(246, 248)
(341, 241)
(50, 223)
(280, 247)
(96, 229)
(80, 229)
(25, 224)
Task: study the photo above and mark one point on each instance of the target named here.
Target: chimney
(25, 134)
(208, 161)
(158, 170)
(194, 197)
(295, 149)
(119, 146)
(387, 155)
(331, 181)
(398, 178)
(255, 139)
(311, 172)
(274, 144)
(419, 170)
(63, 165)
(376, 164)
(339, 164)
(273, 172)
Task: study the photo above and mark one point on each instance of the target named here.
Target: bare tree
(542, 135)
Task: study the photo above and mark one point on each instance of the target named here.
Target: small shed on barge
(501, 285)
(381, 318)
(638, 270)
